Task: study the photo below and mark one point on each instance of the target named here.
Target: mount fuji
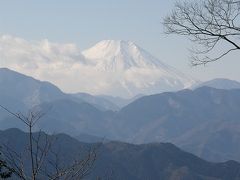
(128, 70)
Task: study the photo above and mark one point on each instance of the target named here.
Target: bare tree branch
(207, 23)
(39, 152)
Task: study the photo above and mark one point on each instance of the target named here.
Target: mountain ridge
(132, 162)
(219, 83)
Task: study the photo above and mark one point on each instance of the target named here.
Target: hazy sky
(84, 23)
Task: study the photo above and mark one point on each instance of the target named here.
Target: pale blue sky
(87, 22)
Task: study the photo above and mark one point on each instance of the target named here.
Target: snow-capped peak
(108, 48)
(128, 70)
(118, 55)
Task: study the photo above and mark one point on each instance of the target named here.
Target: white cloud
(57, 63)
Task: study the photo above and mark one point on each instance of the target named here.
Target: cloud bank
(61, 64)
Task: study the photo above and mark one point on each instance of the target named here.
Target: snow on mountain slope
(113, 55)
(129, 70)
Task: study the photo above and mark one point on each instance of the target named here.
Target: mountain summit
(131, 70)
(120, 55)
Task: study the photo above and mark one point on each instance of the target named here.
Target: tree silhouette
(5, 170)
(209, 24)
(38, 152)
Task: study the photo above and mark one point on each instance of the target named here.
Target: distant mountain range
(100, 102)
(204, 121)
(219, 83)
(20, 91)
(116, 160)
